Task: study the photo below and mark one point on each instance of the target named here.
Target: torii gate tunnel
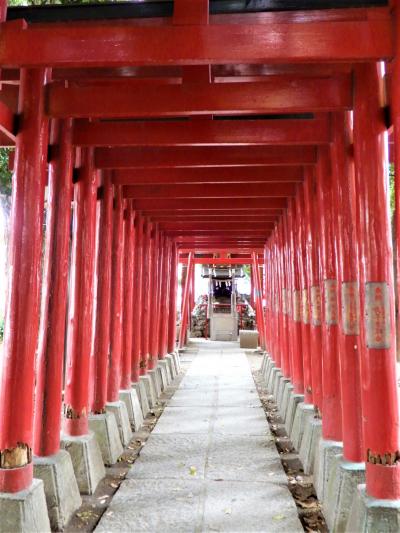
(149, 133)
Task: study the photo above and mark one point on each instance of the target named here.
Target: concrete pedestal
(24, 511)
(263, 362)
(271, 379)
(131, 401)
(171, 367)
(121, 415)
(86, 460)
(276, 384)
(287, 393)
(60, 487)
(149, 389)
(327, 449)
(163, 374)
(341, 491)
(156, 381)
(303, 411)
(309, 443)
(105, 427)
(284, 382)
(293, 401)
(141, 392)
(368, 515)
(177, 361)
(267, 372)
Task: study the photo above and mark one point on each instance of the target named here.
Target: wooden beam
(204, 133)
(369, 37)
(214, 214)
(124, 98)
(198, 204)
(198, 156)
(255, 174)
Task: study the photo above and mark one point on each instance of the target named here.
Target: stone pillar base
(171, 367)
(287, 393)
(131, 401)
(294, 400)
(60, 487)
(370, 515)
(149, 390)
(327, 449)
(341, 491)
(86, 460)
(284, 382)
(267, 372)
(141, 392)
(278, 377)
(121, 415)
(303, 411)
(105, 427)
(156, 381)
(264, 362)
(309, 443)
(24, 511)
(177, 361)
(271, 379)
(162, 369)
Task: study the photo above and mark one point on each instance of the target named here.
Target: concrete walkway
(210, 463)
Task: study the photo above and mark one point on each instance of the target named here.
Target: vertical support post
(305, 297)
(154, 299)
(297, 356)
(103, 311)
(117, 278)
(378, 357)
(127, 325)
(348, 275)
(81, 299)
(185, 300)
(22, 316)
(165, 299)
(331, 406)
(259, 312)
(50, 357)
(146, 269)
(173, 293)
(313, 272)
(137, 300)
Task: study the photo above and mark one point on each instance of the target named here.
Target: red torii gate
(310, 191)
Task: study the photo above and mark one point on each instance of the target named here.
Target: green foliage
(1, 329)
(5, 173)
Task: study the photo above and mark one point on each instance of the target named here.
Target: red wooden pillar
(165, 299)
(275, 304)
(267, 297)
(117, 279)
(284, 304)
(305, 297)
(103, 311)
(127, 325)
(331, 405)
(185, 301)
(173, 293)
(22, 316)
(154, 298)
(146, 269)
(81, 299)
(297, 354)
(50, 357)
(378, 358)
(259, 311)
(313, 272)
(289, 288)
(348, 275)
(137, 315)
(252, 289)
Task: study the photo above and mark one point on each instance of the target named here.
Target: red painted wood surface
(25, 247)
(165, 294)
(50, 353)
(154, 299)
(103, 308)
(145, 318)
(128, 303)
(80, 312)
(137, 300)
(185, 302)
(172, 314)
(378, 365)
(276, 39)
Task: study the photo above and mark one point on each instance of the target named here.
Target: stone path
(210, 463)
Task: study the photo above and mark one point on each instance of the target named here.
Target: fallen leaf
(193, 471)
(278, 517)
(228, 511)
